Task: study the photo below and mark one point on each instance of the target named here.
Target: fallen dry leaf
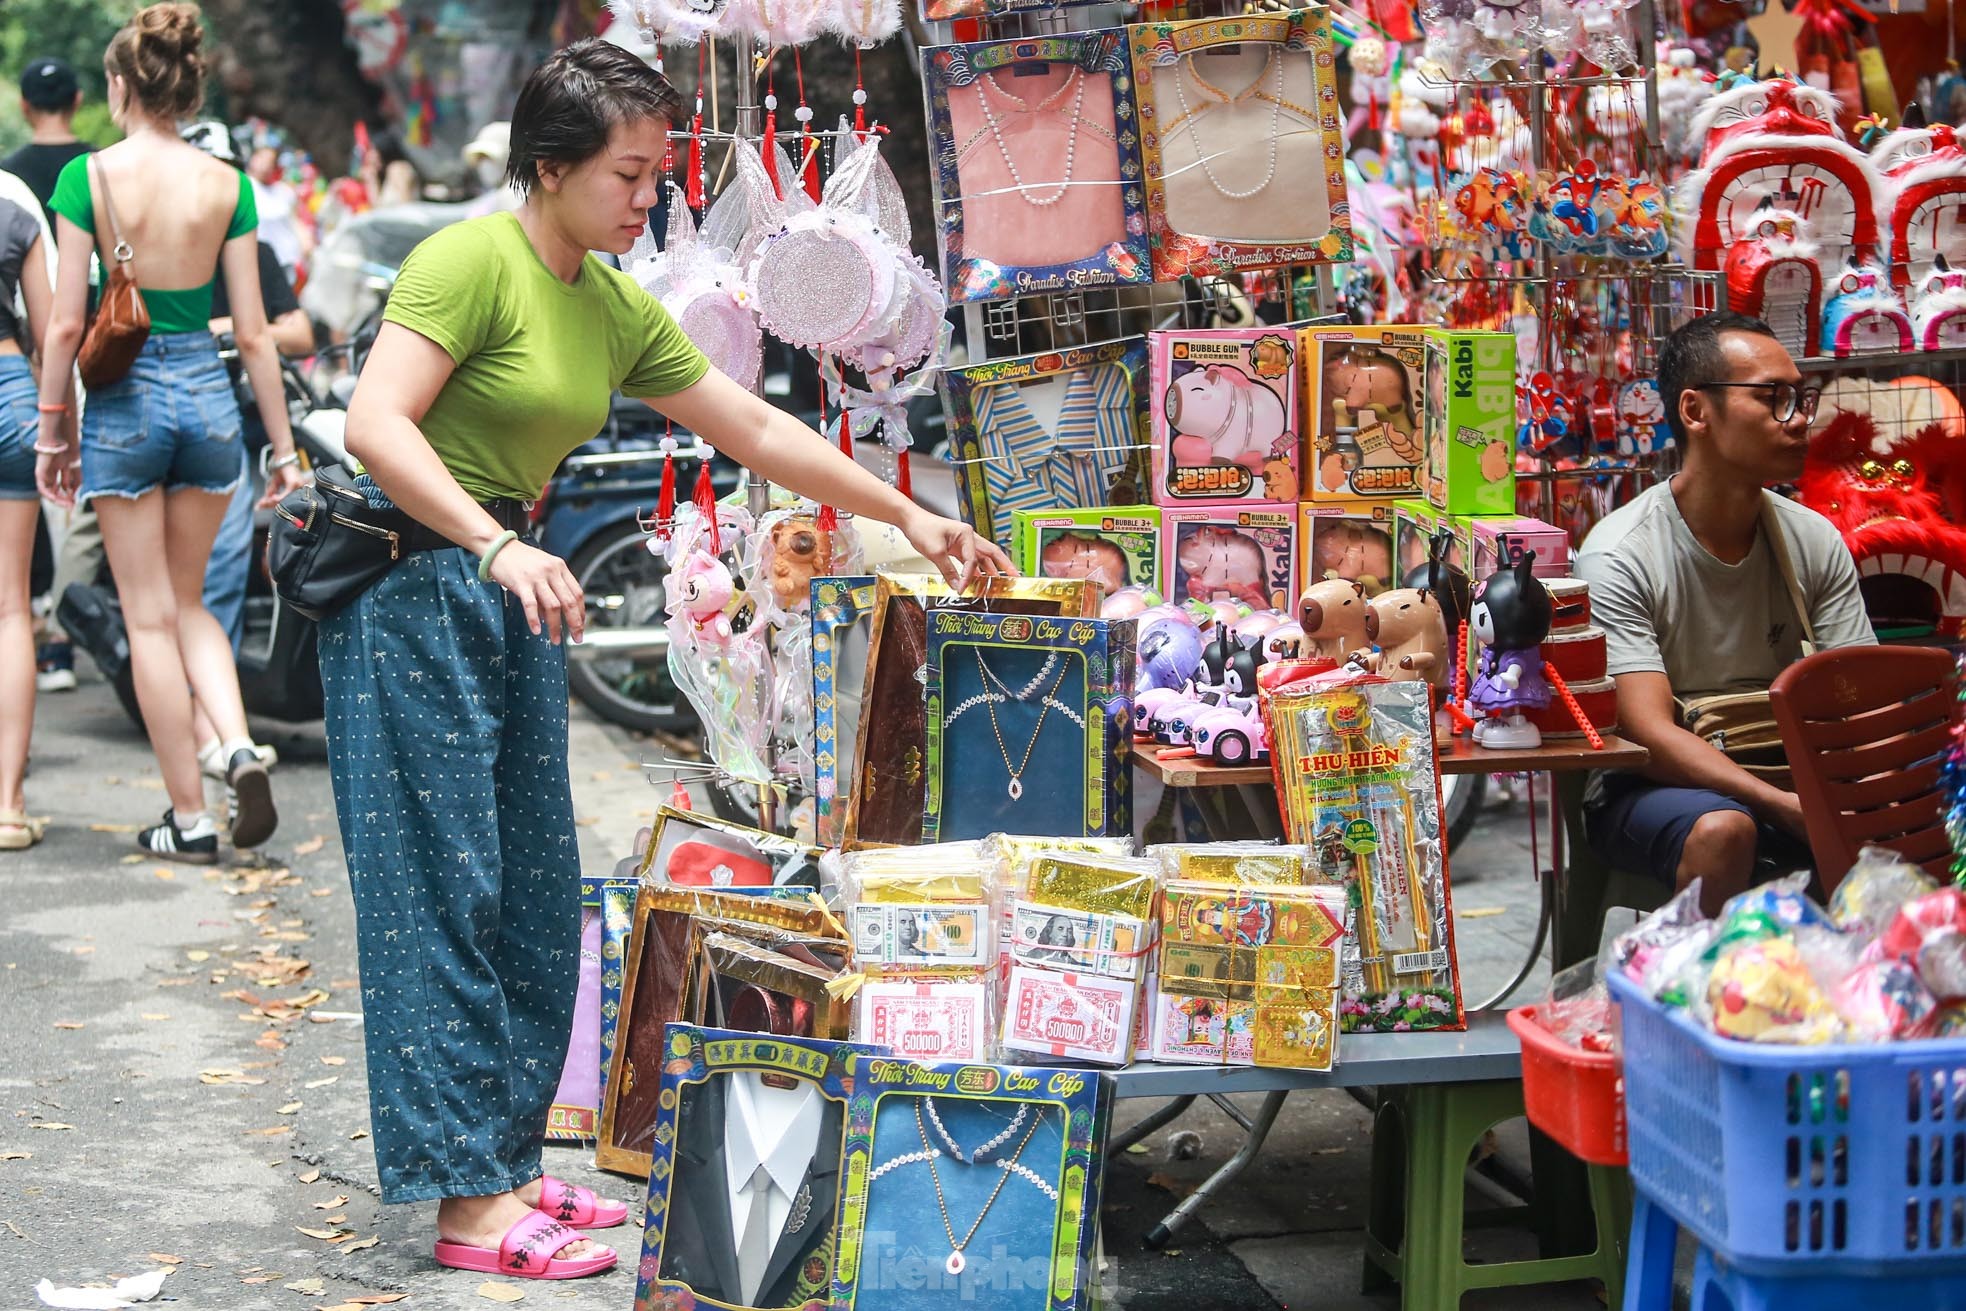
(154, 1016)
(334, 1060)
(310, 846)
(50, 1124)
(342, 1306)
(335, 1219)
(272, 1132)
(320, 892)
(321, 1083)
(115, 828)
(325, 1235)
(165, 874)
(132, 860)
(358, 1135)
(378, 1299)
(163, 1258)
(68, 1024)
(310, 1176)
(361, 1243)
(1481, 912)
(1168, 1184)
(262, 1279)
(16, 1156)
(307, 1287)
(288, 1109)
(329, 1206)
(493, 1291)
(197, 955)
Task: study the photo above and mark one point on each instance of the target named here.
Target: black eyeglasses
(1785, 399)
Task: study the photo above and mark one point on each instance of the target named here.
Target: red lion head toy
(1890, 472)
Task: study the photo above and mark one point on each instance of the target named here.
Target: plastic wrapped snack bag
(1875, 889)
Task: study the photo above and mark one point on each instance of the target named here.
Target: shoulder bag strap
(1778, 543)
(122, 251)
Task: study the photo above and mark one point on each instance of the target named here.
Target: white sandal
(19, 831)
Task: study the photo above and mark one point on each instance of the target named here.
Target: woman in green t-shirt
(161, 448)
(503, 342)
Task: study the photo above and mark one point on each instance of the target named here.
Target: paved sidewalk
(177, 1084)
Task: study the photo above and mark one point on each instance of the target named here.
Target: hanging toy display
(1865, 316)
(1372, 61)
(1923, 173)
(698, 282)
(717, 652)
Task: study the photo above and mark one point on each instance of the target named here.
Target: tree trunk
(288, 63)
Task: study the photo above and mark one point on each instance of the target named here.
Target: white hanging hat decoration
(703, 290)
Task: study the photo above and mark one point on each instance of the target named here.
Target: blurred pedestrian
(159, 452)
(49, 96)
(279, 211)
(23, 272)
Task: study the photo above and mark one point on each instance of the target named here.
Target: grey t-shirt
(18, 230)
(1668, 605)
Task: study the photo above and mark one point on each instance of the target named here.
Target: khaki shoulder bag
(1742, 724)
(122, 321)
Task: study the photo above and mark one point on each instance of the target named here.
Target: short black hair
(1690, 359)
(573, 101)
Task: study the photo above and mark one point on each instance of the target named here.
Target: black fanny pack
(328, 545)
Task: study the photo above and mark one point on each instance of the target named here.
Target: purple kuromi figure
(1511, 617)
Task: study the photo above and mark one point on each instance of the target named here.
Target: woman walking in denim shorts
(24, 259)
(160, 450)
(446, 682)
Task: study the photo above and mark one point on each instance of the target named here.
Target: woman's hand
(279, 483)
(955, 549)
(544, 586)
(59, 476)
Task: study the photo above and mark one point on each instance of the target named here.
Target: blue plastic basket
(1850, 1159)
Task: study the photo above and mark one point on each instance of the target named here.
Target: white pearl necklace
(975, 1157)
(995, 128)
(1188, 116)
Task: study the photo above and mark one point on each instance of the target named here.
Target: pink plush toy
(1223, 416)
(702, 589)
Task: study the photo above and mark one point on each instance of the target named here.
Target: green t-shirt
(538, 359)
(185, 310)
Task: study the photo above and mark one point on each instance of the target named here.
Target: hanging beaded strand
(1223, 99)
(994, 126)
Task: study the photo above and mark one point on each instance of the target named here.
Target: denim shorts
(20, 428)
(171, 422)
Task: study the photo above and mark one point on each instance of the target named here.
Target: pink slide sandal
(571, 1204)
(526, 1252)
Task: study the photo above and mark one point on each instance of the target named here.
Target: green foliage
(75, 30)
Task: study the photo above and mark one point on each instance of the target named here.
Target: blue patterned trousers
(447, 742)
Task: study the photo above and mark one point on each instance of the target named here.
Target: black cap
(48, 84)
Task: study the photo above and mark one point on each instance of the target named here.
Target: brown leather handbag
(122, 321)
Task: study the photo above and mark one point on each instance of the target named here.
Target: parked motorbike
(279, 674)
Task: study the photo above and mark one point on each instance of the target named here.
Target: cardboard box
(1231, 553)
(688, 1256)
(1363, 433)
(1351, 539)
(1033, 1246)
(1470, 420)
(1414, 525)
(1501, 540)
(1059, 709)
(1225, 427)
(1117, 546)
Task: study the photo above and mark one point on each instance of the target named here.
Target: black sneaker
(253, 816)
(54, 667)
(198, 846)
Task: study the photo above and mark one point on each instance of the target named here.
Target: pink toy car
(1231, 733)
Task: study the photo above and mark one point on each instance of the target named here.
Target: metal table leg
(1259, 1130)
(1546, 918)
(1160, 1119)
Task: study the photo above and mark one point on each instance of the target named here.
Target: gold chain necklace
(1016, 773)
(956, 1262)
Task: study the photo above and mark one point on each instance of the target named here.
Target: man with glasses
(1692, 600)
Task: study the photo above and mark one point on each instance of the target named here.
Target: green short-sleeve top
(185, 310)
(538, 359)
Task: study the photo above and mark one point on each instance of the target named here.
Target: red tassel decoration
(665, 503)
(1583, 721)
(706, 505)
(679, 796)
(693, 183)
(902, 481)
(859, 100)
(829, 518)
(809, 144)
(768, 147)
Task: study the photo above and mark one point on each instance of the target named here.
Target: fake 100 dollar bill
(938, 1021)
(1085, 1016)
(1077, 941)
(938, 935)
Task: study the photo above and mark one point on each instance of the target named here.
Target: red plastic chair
(1866, 730)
